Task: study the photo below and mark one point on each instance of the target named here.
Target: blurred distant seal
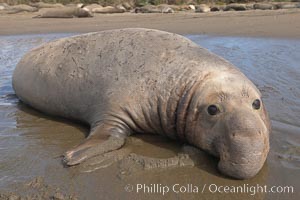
(64, 12)
(154, 9)
(128, 81)
(108, 9)
(20, 8)
(46, 5)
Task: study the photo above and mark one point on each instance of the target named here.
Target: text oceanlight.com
(211, 188)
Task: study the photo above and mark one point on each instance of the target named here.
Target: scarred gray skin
(129, 81)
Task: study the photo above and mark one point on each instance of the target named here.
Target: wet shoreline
(254, 23)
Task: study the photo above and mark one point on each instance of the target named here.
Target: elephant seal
(20, 8)
(65, 12)
(235, 7)
(128, 81)
(40, 5)
(263, 6)
(154, 9)
(202, 8)
(93, 6)
(108, 10)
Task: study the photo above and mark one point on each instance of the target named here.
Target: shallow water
(31, 143)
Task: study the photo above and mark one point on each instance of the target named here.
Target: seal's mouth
(240, 170)
(242, 157)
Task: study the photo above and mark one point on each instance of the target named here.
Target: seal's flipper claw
(102, 139)
(86, 150)
(105, 160)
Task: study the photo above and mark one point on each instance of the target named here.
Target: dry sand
(271, 23)
(46, 141)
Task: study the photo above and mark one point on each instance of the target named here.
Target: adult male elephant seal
(129, 81)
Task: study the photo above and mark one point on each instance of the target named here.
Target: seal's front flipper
(102, 139)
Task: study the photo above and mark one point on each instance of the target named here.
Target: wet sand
(258, 23)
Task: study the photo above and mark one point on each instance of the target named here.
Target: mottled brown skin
(130, 81)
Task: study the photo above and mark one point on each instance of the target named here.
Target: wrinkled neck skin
(238, 134)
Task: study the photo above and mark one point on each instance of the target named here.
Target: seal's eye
(213, 110)
(256, 104)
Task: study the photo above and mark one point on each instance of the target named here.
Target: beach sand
(257, 23)
(33, 142)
